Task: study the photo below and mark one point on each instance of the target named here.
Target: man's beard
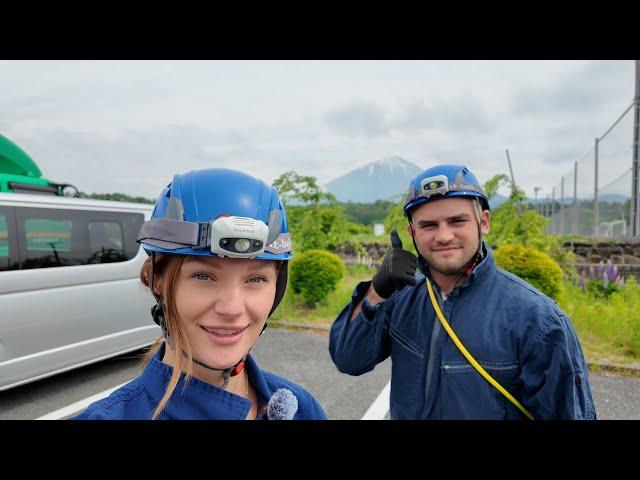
(447, 268)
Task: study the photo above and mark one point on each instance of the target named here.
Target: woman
(219, 247)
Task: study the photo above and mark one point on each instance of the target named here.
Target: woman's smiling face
(222, 305)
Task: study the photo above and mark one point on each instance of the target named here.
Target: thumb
(395, 240)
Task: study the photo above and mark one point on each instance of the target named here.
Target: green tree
(116, 197)
(304, 189)
(514, 223)
(396, 220)
(319, 223)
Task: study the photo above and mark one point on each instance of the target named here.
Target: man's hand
(397, 270)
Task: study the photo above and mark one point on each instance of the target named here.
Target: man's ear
(410, 229)
(485, 223)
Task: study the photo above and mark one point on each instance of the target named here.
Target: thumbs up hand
(397, 270)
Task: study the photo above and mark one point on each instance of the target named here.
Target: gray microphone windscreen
(282, 406)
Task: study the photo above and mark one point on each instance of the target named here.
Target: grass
(608, 328)
(293, 310)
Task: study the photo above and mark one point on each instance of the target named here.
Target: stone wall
(618, 253)
(370, 254)
(625, 255)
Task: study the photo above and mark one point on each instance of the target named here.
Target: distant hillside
(379, 180)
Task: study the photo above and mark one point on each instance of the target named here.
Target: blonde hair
(168, 266)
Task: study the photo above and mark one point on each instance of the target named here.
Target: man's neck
(445, 282)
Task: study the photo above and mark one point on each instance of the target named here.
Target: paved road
(300, 357)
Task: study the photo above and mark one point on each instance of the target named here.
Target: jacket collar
(198, 399)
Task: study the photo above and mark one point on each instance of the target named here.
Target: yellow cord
(468, 356)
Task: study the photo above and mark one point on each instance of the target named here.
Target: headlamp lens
(433, 185)
(242, 245)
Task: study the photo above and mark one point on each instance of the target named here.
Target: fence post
(635, 204)
(596, 206)
(562, 206)
(553, 208)
(574, 220)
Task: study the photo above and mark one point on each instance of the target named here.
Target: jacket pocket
(406, 377)
(465, 394)
(403, 341)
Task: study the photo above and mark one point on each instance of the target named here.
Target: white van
(70, 292)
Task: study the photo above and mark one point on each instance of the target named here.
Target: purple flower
(611, 271)
(582, 281)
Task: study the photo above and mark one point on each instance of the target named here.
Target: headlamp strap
(204, 240)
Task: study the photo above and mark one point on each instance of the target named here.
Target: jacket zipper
(434, 338)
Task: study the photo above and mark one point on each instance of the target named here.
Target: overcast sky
(128, 126)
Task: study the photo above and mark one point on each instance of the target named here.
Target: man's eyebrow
(461, 216)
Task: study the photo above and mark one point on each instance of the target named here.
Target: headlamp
(438, 185)
(239, 237)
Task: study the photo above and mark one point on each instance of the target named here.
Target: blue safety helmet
(444, 181)
(218, 212)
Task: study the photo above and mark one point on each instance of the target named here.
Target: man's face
(446, 233)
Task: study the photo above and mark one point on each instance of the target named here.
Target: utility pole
(536, 190)
(513, 182)
(635, 203)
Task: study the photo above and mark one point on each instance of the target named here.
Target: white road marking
(379, 408)
(77, 407)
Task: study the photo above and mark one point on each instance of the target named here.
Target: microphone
(282, 406)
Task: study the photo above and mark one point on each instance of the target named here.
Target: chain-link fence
(594, 198)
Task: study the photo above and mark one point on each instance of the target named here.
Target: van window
(45, 235)
(4, 238)
(106, 242)
(8, 248)
(50, 237)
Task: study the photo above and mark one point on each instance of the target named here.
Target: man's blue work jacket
(198, 401)
(519, 335)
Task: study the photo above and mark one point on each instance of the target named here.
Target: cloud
(586, 90)
(358, 119)
(459, 115)
(124, 162)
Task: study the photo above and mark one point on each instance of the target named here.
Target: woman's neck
(236, 385)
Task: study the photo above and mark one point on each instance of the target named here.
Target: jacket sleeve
(357, 346)
(555, 379)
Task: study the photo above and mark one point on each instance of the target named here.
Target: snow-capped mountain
(380, 180)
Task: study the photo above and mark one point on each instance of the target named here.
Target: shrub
(315, 273)
(534, 266)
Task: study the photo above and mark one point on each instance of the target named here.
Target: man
(517, 336)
